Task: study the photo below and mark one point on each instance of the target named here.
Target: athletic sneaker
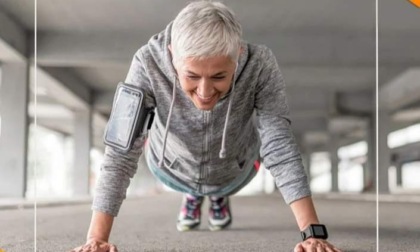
(190, 216)
(219, 213)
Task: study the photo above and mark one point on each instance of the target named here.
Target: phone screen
(123, 117)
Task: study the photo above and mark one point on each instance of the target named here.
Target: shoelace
(217, 207)
(192, 207)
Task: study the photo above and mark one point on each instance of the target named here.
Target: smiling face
(205, 80)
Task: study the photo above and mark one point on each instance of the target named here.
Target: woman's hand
(315, 245)
(96, 246)
(98, 234)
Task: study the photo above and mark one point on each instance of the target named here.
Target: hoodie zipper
(203, 173)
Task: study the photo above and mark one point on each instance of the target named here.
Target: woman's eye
(219, 77)
(193, 77)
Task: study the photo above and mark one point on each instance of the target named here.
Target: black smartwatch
(317, 231)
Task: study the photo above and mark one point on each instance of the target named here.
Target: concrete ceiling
(152, 15)
(325, 48)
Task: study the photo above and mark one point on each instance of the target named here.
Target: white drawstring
(222, 153)
(167, 125)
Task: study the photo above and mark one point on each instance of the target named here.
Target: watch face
(315, 231)
(319, 230)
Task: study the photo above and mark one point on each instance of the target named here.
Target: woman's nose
(205, 88)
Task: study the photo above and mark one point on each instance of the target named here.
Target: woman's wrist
(304, 212)
(100, 227)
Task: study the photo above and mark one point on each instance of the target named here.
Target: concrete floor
(399, 227)
(17, 230)
(261, 223)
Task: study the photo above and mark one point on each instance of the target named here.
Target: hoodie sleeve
(118, 168)
(278, 146)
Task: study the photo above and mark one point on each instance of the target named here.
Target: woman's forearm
(100, 226)
(304, 212)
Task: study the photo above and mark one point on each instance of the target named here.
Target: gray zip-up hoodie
(194, 136)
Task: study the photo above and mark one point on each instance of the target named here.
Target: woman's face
(206, 80)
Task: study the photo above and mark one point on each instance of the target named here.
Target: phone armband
(129, 118)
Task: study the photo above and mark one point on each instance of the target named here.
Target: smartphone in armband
(129, 118)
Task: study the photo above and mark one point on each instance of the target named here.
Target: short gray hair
(203, 29)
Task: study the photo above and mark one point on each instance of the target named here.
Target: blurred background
(399, 97)
(399, 124)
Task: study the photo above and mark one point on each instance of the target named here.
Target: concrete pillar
(383, 151)
(82, 146)
(398, 168)
(369, 170)
(14, 90)
(334, 162)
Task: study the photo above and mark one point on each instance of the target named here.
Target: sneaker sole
(182, 228)
(219, 228)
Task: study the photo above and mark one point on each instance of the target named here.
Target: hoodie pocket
(179, 169)
(242, 160)
(169, 162)
(241, 164)
(221, 175)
